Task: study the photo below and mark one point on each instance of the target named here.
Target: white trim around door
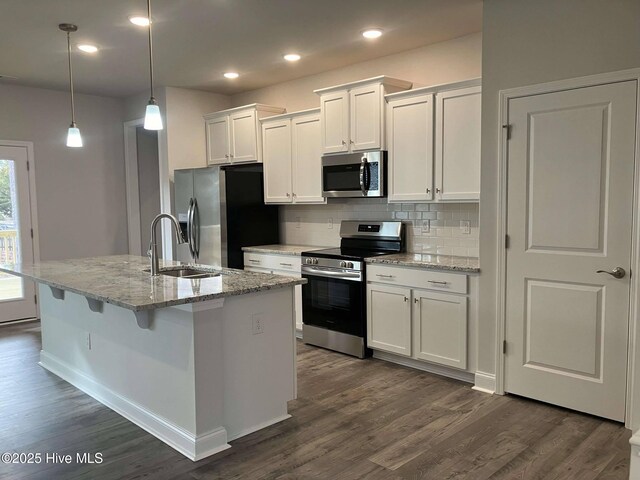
(632, 419)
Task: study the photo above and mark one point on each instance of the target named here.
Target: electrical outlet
(297, 222)
(329, 223)
(426, 226)
(465, 227)
(257, 323)
(88, 340)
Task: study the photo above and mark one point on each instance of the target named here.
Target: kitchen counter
(125, 281)
(281, 249)
(429, 261)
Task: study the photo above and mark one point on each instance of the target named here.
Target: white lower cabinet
(285, 265)
(407, 319)
(440, 328)
(389, 318)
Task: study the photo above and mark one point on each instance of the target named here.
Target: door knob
(617, 272)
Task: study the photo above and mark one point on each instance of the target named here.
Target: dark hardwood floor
(353, 420)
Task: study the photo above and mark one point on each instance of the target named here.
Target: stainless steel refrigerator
(221, 210)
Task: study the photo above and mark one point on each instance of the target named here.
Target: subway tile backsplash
(430, 227)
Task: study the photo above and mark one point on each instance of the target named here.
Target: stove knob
(308, 261)
(349, 264)
(315, 261)
(343, 264)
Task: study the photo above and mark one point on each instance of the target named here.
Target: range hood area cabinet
(352, 116)
(234, 135)
(292, 158)
(433, 138)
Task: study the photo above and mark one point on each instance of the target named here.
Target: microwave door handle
(363, 187)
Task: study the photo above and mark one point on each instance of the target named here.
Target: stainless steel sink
(188, 273)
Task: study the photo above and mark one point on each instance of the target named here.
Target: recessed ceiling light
(292, 57)
(139, 20)
(231, 75)
(88, 48)
(372, 33)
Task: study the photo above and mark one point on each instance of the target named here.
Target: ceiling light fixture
(372, 33)
(231, 75)
(88, 48)
(139, 20)
(292, 57)
(74, 139)
(152, 117)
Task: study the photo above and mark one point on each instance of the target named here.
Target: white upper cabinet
(352, 115)
(410, 144)
(234, 135)
(292, 159)
(450, 144)
(458, 144)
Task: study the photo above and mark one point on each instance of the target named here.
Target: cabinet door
(307, 164)
(217, 140)
(276, 155)
(365, 104)
(410, 142)
(334, 122)
(389, 319)
(458, 144)
(440, 328)
(243, 136)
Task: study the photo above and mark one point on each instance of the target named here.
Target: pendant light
(74, 139)
(152, 117)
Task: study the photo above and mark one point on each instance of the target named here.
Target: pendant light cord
(150, 48)
(73, 112)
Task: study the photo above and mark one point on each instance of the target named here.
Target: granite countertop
(282, 249)
(430, 261)
(125, 281)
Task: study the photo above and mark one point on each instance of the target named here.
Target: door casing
(633, 355)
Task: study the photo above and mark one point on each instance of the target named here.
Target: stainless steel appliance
(221, 210)
(355, 174)
(334, 305)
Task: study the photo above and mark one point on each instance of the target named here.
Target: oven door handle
(317, 272)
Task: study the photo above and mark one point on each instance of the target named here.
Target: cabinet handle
(294, 195)
(254, 261)
(383, 276)
(428, 190)
(437, 190)
(437, 282)
(286, 265)
(288, 194)
(415, 300)
(343, 142)
(352, 142)
(406, 299)
(231, 155)
(226, 155)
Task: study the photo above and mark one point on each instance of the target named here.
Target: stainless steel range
(334, 303)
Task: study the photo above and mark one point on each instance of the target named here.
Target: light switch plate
(465, 227)
(426, 226)
(257, 323)
(329, 223)
(297, 222)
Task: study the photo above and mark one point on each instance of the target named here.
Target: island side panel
(106, 353)
(259, 368)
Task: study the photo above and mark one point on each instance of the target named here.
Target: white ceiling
(195, 41)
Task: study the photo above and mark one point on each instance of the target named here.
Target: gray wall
(527, 42)
(80, 192)
(148, 182)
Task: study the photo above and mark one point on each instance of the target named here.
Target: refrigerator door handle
(190, 228)
(195, 229)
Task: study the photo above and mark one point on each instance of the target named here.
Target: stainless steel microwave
(354, 174)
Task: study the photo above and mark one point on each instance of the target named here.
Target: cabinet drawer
(284, 263)
(412, 277)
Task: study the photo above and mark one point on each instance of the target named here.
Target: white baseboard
(425, 366)
(299, 334)
(485, 382)
(191, 446)
(634, 462)
(255, 428)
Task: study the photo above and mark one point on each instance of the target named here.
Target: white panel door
(570, 192)
(17, 296)
(410, 139)
(440, 328)
(243, 136)
(334, 122)
(389, 319)
(307, 159)
(218, 140)
(365, 105)
(276, 156)
(458, 144)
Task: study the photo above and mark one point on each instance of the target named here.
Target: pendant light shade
(74, 139)
(152, 117)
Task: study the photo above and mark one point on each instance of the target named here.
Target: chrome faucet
(153, 245)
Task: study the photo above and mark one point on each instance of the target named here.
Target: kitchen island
(196, 361)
